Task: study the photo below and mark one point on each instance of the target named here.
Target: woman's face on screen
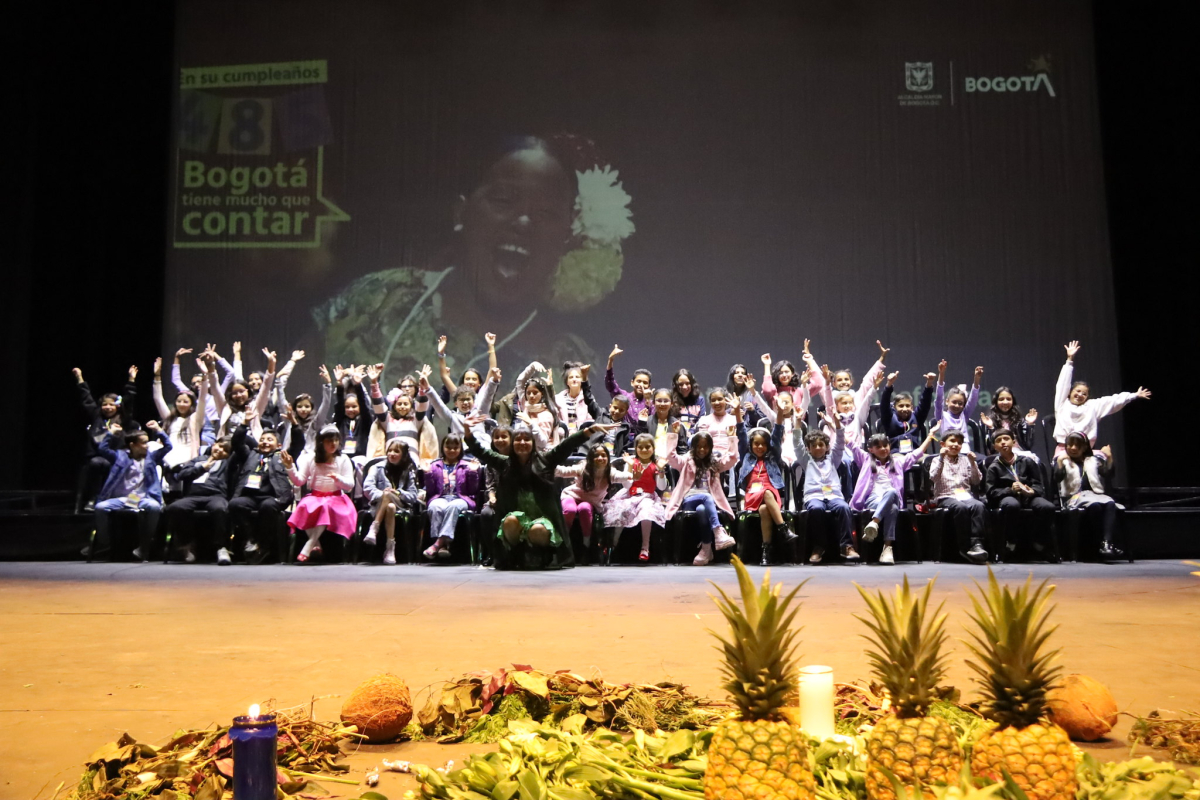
(516, 226)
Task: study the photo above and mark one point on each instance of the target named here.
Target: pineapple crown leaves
(760, 657)
(1015, 668)
(908, 658)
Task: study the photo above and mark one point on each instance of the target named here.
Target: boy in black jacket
(210, 480)
(1015, 482)
(902, 424)
(262, 486)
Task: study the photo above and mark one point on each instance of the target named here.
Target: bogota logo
(1040, 79)
(918, 76)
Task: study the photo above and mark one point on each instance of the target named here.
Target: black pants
(91, 478)
(270, 519)
(181, 518)
(489, 527)
(967, 516)
(1043, 519)
(1104, 516)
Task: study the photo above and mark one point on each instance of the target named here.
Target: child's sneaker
(722, 540)
(886, 556)
(871, 531)
(372, 532)
(850, 554)
(817, 554)
(389, 552)
(704, 556)
(224, 558)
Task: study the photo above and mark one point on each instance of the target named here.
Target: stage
(88, 651)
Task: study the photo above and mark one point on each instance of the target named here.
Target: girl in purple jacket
(451, 486)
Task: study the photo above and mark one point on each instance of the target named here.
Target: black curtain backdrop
(89, 218)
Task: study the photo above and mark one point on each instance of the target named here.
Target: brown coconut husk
(380, 707)
(1083, 707)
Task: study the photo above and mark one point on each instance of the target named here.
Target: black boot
(976, 555)
(768, 555)
(1108, 551)
(784, 534)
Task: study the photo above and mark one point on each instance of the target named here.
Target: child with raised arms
(880, 487)
(1075, 411)
(640, 503)
(952, 409)
(817, 472)
(699, 489)
(585, 496)
(639, 399)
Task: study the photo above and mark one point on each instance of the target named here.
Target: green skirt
(530, 514)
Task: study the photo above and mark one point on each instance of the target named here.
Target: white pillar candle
(816, 701)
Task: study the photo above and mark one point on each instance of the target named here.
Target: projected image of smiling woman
(500, 273)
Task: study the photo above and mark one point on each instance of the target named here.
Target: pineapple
(1016, 673)
(758, 754)
(919, 750)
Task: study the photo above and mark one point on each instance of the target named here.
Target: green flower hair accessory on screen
(587, 274)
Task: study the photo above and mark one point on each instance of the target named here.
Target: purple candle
(254, 744)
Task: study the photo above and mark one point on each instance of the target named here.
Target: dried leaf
(225, 766)
(211, 789)
(532, 682)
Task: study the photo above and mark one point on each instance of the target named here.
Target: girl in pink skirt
(639, 504)
(328, 475)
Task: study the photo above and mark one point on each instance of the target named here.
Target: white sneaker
(871, 531)
(886, 556)
(850, 554)
(137, 554)
(389, 552)
(722, 540)
(251, 546)
(189, 555)
(224, 558)
(704, 556)
(817, 554)
(371, 533)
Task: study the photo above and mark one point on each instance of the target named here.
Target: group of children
(533, 463)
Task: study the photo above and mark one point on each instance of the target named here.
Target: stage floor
(88, 651)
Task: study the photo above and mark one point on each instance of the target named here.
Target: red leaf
(225, 767)
(280, 777)
(522, 667)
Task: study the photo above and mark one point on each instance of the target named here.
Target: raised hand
(339, 372)
(978, 375)
(441, 347)
(807, 352)
(490, 340)
(644, 414)
(933, 430)
(826, 374)
(494, 374)
(424, 373)
(373, 372)
(879, 380)
(806, 376)
(297, 355)
(605, 427)
(286, 458)
(114, 428)
(158, 367)
(152, 426)
(676, 427)
(883, 351)
(237, 350)
(739, 412)
(78, 373)
(766, 360)
(324, 373)
(584, 370)
(1072, 349)
(423, 382)
(475, 419)
(1107, 451)
(271, 359)
(1031, 416)
(942, 370)
(833, 421)
(930, 377)
(289, 416)
(133, 371)
(987, 421)
(537, 366)
(183, 351)
(1143, 393)
(749, 383)
(616, 351)
(971, 455)
(891, 378)
(250, 414)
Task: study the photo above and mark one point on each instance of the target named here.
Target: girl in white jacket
(1074, 412)
(1080, 473)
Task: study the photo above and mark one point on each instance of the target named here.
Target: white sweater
(1085, 419)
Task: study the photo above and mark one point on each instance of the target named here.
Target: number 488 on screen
(245, 127)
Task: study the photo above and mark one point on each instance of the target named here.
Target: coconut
(380, 707)
(1083, 707)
